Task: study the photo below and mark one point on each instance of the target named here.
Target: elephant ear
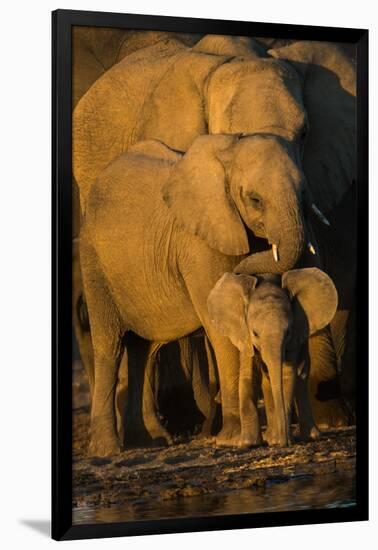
(227, 304)
(330, 100)
(314, 299)
(197, 194)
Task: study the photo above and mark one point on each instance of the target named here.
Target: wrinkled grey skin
(146, 269)
(259, 315)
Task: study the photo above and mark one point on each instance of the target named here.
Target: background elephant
(231, 85)
(338, 248)
(257, 313)
(95, 50)
(337, 242)
(159, 231)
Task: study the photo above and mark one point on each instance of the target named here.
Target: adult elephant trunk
(285, 231)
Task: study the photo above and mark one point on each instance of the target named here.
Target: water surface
(333, 490)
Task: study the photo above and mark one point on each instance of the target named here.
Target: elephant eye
(255, 200)
(255, 334)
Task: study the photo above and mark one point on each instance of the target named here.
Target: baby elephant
(274, 317)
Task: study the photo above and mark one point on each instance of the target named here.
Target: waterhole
(334, 490)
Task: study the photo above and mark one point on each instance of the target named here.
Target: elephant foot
(328, 406)
(273, 440)
(155, 429)
(250, 439)
(330, 414)
(104, 448)
(270, 437)
(104, 441)
(229, 436)
(207, 427)
(160, 436)
(311, 433)
(204, 432)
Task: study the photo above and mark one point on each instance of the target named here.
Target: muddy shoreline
(173, 478)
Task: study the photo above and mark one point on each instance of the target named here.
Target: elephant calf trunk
(281, 427)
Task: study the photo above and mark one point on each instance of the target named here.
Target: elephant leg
(107, 355)
(210, 412)
(121, 396)
(227, 358)
(228, 362)
(149, 408)
(143, 426)
(194, 369)
(83, 337)
(343, 329)
(108, 349)
(250, 425)
(80, 318)
(84, 342)
(195, 355)
(270, 432)
(288, 382)
(324, 383)
(289, 378)
(307, 427)
(187, 357)
(339, 333)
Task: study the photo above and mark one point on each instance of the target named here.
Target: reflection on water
(298, 493)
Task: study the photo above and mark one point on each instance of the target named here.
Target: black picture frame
(62, 23)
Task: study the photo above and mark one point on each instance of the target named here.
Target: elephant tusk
(311, 248)
(320, 215)
(275, 252)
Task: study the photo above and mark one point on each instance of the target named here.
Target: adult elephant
(304, 93)
(148, 267)
(94, 51)
(97, 49)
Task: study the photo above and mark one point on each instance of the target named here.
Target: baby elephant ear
(227, 304)
(197, 194)
(314, 298)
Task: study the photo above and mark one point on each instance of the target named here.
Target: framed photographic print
(209, 276)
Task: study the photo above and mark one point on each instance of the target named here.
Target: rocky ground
(196, 467)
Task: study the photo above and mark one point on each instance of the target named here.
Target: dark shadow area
(176, 399)
(42, 526)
